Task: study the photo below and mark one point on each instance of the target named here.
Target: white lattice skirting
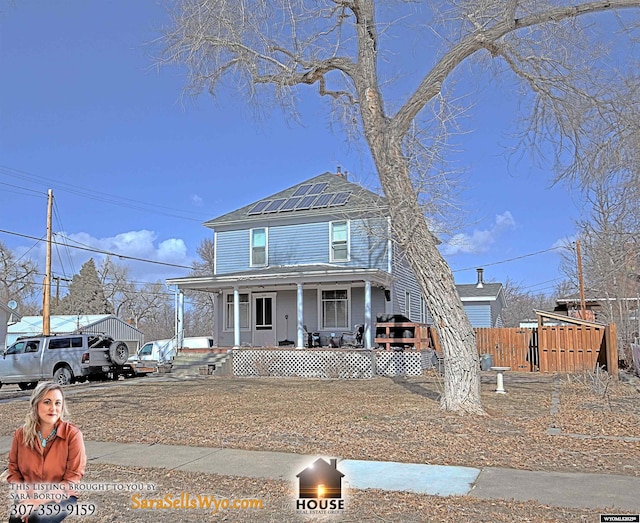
(344, 364)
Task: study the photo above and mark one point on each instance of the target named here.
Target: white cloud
(479, 241)
(140, 244)
(197, 200)
(173, 250)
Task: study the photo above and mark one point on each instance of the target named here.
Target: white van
(161, 351)
(198, 342)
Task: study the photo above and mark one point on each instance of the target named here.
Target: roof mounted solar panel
(290, 204)
(302, 190)
(340, 199)
(259, 207)
(318, 188)
(275, 205)
(306, 202)
(323, 200)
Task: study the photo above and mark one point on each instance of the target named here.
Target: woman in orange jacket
(47, 456)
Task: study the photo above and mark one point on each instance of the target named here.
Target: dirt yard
(381, 419)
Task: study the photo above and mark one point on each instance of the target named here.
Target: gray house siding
(368, 244)
(479, 314)
(300, 244)
(496, 314)
(297, 244)
(405, 282)
(232, 251)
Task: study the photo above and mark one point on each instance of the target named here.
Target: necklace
(44, 440)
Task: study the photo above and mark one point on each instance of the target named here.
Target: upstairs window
(258, 247)
(339, 241)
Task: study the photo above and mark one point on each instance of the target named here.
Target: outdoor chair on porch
(353, 339)
(313, 338)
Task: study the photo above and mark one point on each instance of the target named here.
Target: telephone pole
(46, 288)
(583, 307)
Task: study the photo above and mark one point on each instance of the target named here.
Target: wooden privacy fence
(559, 348)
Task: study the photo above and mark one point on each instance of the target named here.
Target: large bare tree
(18, 280)
(272, 48)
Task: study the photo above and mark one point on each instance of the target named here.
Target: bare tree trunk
(418, 244)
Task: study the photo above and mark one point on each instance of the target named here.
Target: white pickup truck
(63, 358)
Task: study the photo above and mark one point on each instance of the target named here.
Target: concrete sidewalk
(571, 490)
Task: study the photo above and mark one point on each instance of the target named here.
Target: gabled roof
(471, 291)
(356, 199)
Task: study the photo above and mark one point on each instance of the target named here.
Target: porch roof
(283, 276)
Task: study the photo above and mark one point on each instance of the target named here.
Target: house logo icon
(320, 488)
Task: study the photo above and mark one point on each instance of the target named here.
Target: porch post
(236, 317)
(299, 317)
(367, 314)
(216, 324)
(180, 320)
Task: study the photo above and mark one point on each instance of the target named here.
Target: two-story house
(317, 257)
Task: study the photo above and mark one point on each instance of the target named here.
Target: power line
(510, 259)
(98, 251)
(102, 196)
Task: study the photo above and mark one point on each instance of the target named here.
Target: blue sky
(136, 170)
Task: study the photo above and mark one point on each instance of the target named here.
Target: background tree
(200, 314)
(521, 304)
(86, 294)
(18, 281)
(272, 47)
(610, 249)
(157, 321)
(115, 281)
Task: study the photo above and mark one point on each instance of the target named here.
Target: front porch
(281, 306)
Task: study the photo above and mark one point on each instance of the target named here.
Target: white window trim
(423, 310)
(266, 247)
(348, 258)
(225, 314)
(349, 303)
(407, 304)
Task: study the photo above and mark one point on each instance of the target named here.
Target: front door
(264, 328)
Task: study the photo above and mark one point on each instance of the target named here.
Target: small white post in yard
(499, 379)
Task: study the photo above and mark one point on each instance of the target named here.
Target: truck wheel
(119, 352)
(27, 385)
(63, 376)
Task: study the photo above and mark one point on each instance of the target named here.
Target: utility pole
(58, 279)
(46, 288)
(583, 307)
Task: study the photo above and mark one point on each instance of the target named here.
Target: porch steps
(196, 362)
